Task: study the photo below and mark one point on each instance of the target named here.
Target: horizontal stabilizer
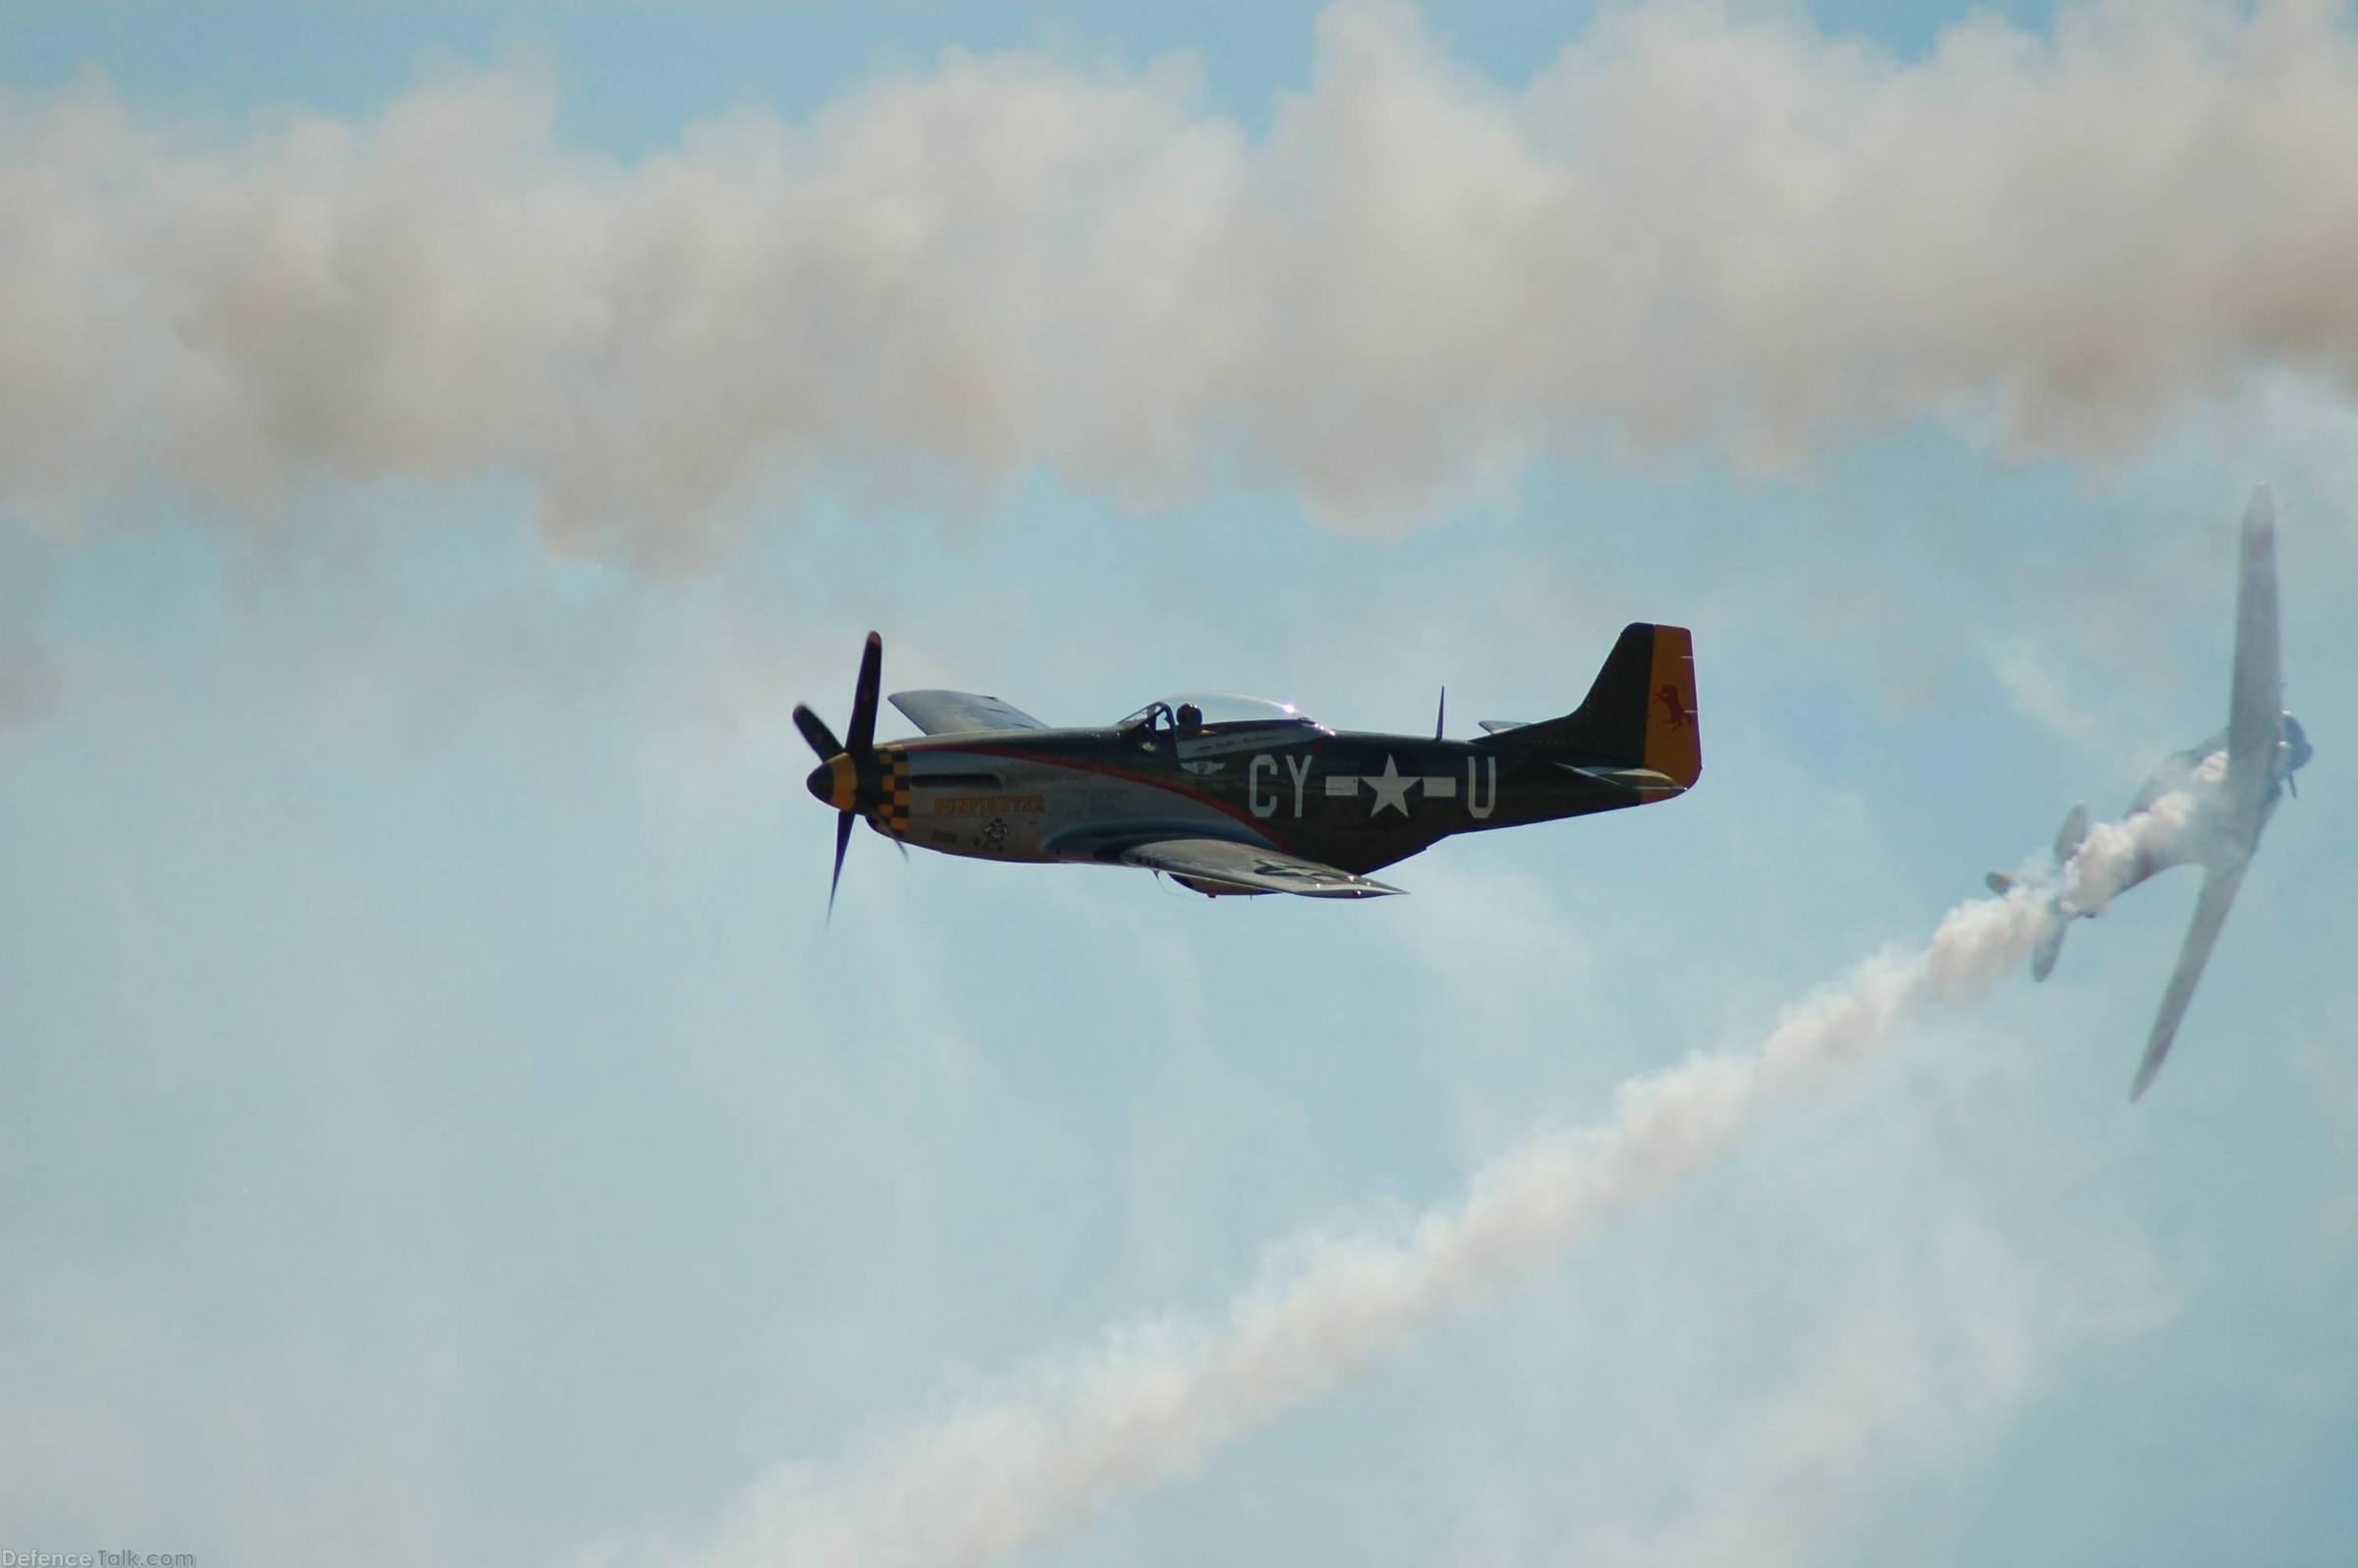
(1644, 781)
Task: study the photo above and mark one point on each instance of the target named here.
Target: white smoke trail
(1158, 1398)
(1691, 227)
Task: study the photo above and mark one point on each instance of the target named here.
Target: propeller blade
(861, 743)
(815, 730)
(843, 841)
(862, 737)
(2292, 786)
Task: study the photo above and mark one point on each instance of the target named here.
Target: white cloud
(1693, 227)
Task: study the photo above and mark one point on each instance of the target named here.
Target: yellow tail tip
(1674, 728)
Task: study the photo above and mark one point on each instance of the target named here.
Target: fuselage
(2231, 800)
(1352, 800)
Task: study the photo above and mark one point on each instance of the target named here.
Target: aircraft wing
(961, 712)
(1244, 869)
(2255, 711)
(2210, 913)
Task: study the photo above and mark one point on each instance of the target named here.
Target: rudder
(1674, 729)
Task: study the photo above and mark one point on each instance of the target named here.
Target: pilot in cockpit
(1191, 720)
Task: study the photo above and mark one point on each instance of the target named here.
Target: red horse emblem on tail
(1677, 710)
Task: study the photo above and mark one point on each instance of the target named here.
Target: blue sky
(443, 1129)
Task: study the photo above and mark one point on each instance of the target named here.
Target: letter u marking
(1476, 804)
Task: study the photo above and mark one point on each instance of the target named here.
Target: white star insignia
(1390, 787)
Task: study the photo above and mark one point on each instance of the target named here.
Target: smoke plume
(1691, 228)
(1158, 1398)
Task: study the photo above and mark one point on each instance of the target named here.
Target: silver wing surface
(2210, 913)
(961, 712)
(1243, 868)
(2254, 712)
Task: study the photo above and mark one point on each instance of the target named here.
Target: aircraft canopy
(1222, 710)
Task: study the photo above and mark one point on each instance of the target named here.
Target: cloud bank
(1159, 1398)
(1691, 229)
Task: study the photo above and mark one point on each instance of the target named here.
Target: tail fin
(1639, 714)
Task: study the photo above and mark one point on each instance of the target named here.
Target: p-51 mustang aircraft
(1239, 795)
(2235, 778)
